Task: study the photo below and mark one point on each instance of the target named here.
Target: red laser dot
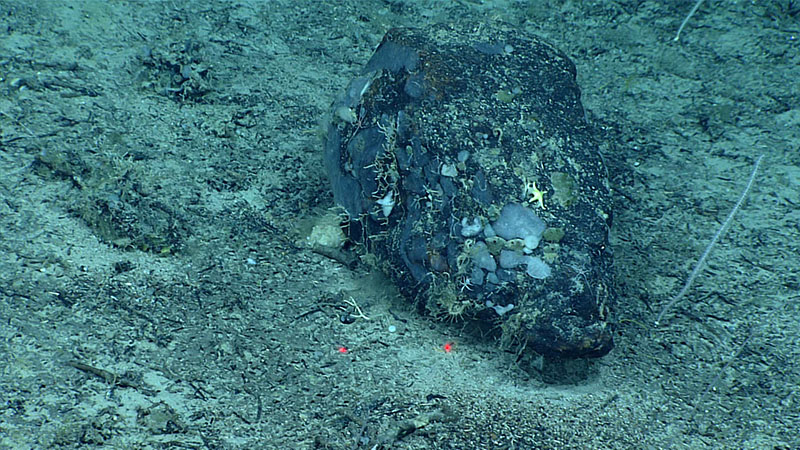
(342, 350)
(448, 347)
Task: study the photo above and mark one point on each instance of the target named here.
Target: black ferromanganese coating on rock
(465, 165)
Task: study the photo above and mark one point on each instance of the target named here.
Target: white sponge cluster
(516, 222)
(535, 267)
(519, 222)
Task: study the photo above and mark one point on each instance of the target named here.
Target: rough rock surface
(444, 131)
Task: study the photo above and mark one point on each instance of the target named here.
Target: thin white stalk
(699, 266)
(683, 24)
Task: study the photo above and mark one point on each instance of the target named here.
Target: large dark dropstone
(438, 152)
